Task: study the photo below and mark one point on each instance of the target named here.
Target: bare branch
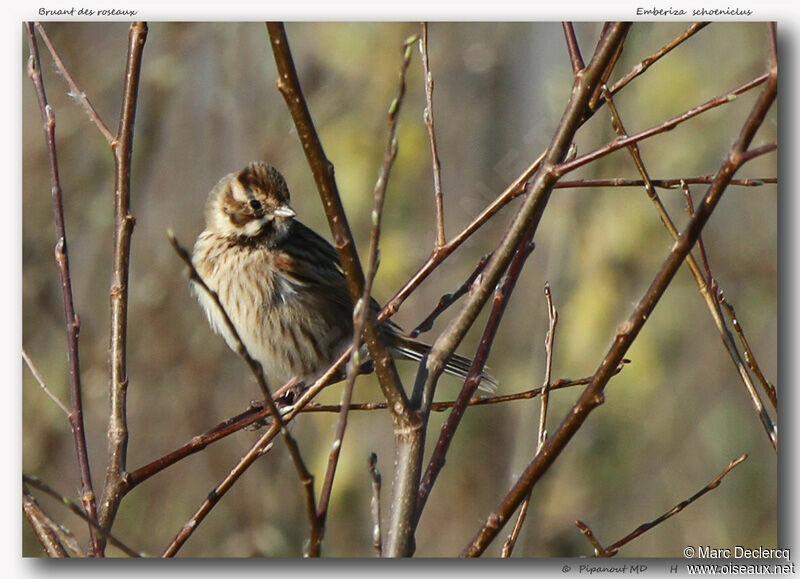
(76, 509)
(449, 299)
(627, 332)
(72, 320)
(612, 550)
(322, 169)
(663, 51)
(662, 183)
(621, 142)
(749, 357)
(259, 448)
(552, 316)
(52, 537)
(702, 280)
(574, 49)
(502, 295)
(122, 147)
(428, 116)
(74, 91)
(362, 309)
(41, 382)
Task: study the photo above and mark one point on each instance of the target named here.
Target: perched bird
(281, 284)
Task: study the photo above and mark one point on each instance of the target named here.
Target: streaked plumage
(280, 283)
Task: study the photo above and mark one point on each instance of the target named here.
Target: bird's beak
(284, 211)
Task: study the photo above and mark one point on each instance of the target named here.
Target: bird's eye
(255, 204)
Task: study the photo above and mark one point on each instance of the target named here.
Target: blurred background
(208, 105)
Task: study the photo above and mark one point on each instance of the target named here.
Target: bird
(282, 284)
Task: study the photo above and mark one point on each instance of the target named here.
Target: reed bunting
(281, 284)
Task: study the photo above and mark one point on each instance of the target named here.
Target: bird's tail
(456, 365)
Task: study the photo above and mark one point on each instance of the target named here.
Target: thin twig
(76, 509)
(259, 413)
(573, 48)
(475, 401)
(449, 299)
(375, 504)
(662, 183)
(518, 236)
(587, 532)
(500, 301)
(306, 479)
(254, 414)
(749, 357)
(703, 281)
(612, 550)
(650, 60)
(74, 91)
(42, 384)
(518, 187)
(515, 189)
(511, 540)
(428, 116)
(593, 394)
(363, 309)
(258, 449)
(667, 125)
(72, 321)
(552, 316)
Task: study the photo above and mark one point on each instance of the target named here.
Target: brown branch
(253, 415)
(72, 321)
(76, 509)
(709, 279)
(587, 532)
(289, 86)
(518, 187)
(552, 316)
(593, 394)
(362, 309)
(612, 550)
(74, 91)
(702, 280)
(428, 116)
(515, 189)
(259, 448)
(650, 60)
(521, 230)
(476, 401)
(449, 299)
(502, 295)
(662, 183)
(511, 540)
(52, 537)
(667, 125)
(573, 48)
(122, 148)
(749, 357)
